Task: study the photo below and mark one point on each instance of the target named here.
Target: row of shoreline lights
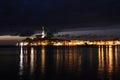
(73, 43)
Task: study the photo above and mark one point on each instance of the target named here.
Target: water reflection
(21, 61)
(110, 69)
(67, 58)
(32, 60)
(44, 61)
(107, 60)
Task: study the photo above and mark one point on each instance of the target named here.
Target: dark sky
(17, 16)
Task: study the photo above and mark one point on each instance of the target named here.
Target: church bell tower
(43, 33)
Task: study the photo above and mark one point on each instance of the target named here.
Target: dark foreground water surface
(60, 63)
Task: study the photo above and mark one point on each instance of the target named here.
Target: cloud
(19, 17)
(110, 30)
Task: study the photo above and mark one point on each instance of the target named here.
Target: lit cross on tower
(43, 33)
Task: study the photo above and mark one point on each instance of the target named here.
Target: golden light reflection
(57, 59)
(116, 56)
(66, 54)
(73, 59)
(107, 58)
(43, 59)
(100, 58)
(32, 60)
(68, 59)
(27, 60)
(26, 56)
(110, 59)
(21, 61)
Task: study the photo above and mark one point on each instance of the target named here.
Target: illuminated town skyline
(23, 18)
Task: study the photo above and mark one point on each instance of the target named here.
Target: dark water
(60, 63)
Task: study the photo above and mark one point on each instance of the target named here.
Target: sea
(60, 62)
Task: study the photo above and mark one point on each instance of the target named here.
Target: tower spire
(43, 32)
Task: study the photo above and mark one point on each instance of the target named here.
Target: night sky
(27, 16)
